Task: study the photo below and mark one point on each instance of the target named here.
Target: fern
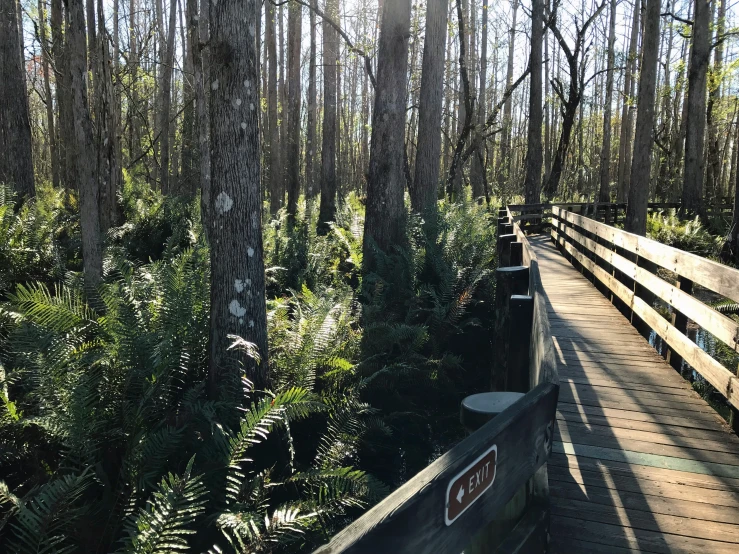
(167, 519)
(41, 520)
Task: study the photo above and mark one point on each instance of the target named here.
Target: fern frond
(163, 525)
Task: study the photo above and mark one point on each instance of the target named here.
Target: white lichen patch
(214, 85)
(250, 251)
(251, 323)
(238, 101)
(239, 285)
(247, 83)
(251, 107)
(241, 321)
(223, 203)
(243, 125)
(236, 309)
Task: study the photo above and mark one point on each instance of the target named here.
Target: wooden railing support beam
(521, 309)
(509, 281)
(504, 249)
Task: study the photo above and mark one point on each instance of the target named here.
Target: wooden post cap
(477, 409)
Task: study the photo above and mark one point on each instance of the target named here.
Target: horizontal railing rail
(416, 517)
(637, 271)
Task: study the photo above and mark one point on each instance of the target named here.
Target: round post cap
(477, 409)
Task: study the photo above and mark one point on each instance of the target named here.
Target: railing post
(504, 250)
(475, 411)
(501, 222)
(516, 253)
(680, 321)
(509, 281)
(519, 343)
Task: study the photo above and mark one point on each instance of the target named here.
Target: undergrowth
(110, 442)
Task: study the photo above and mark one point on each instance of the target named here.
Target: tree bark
(636, 212)
(425, 190)
(532, 181)
(16, 160)
(166, 98)
(504, 166)
(238, 305)
(327, 212)
(310, 136)
(713, 173)
(85, 155)
(275, 184)
(692, 197)
(45, 63)
(604, 194)
(384, 217)
(294, 36)
(624, 152)
(477, 174)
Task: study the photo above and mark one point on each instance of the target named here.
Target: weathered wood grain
(412, 518)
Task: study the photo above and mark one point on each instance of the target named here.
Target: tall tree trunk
(275, 181)
(477, 175)
(713, 176)
(384, 218)
(63, 87)
(604, 194)
(624, 152)
(692, 198)
(425, 189)
(166, 98)
(294, 32)
(504, 169)
(327, 211)
(16, 161)
(85, 156)
(202, 77)
(238, 305)
(45, 63)
(458, 181)
(636, 213)
(532, 182)
(310, 137)
(189, 38)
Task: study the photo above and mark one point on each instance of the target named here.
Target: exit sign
(470, 484)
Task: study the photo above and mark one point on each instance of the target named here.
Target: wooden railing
(414, 519)
(535, 217)
(636, 271)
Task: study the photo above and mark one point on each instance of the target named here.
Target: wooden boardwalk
(640, 462)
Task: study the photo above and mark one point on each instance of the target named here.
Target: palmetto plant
(110, 442)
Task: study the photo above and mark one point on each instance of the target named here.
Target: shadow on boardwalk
(641, 463)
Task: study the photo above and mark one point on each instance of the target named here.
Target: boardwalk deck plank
(641, 463)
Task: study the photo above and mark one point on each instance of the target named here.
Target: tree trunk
(604, 194)
(504, 168)
(166, 97)
(636, 212)
(294, 35)
(327, 211)
(51, 127)
(532, 182)
(16, 160)
(275, 183)
(624, 152)
(85, 155)
(478, 178)
(384, 218)
(310, 137)
(692, 198)
(713, 176)
(238, 305)
(425, 190)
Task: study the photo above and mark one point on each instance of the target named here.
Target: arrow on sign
(460, 494)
